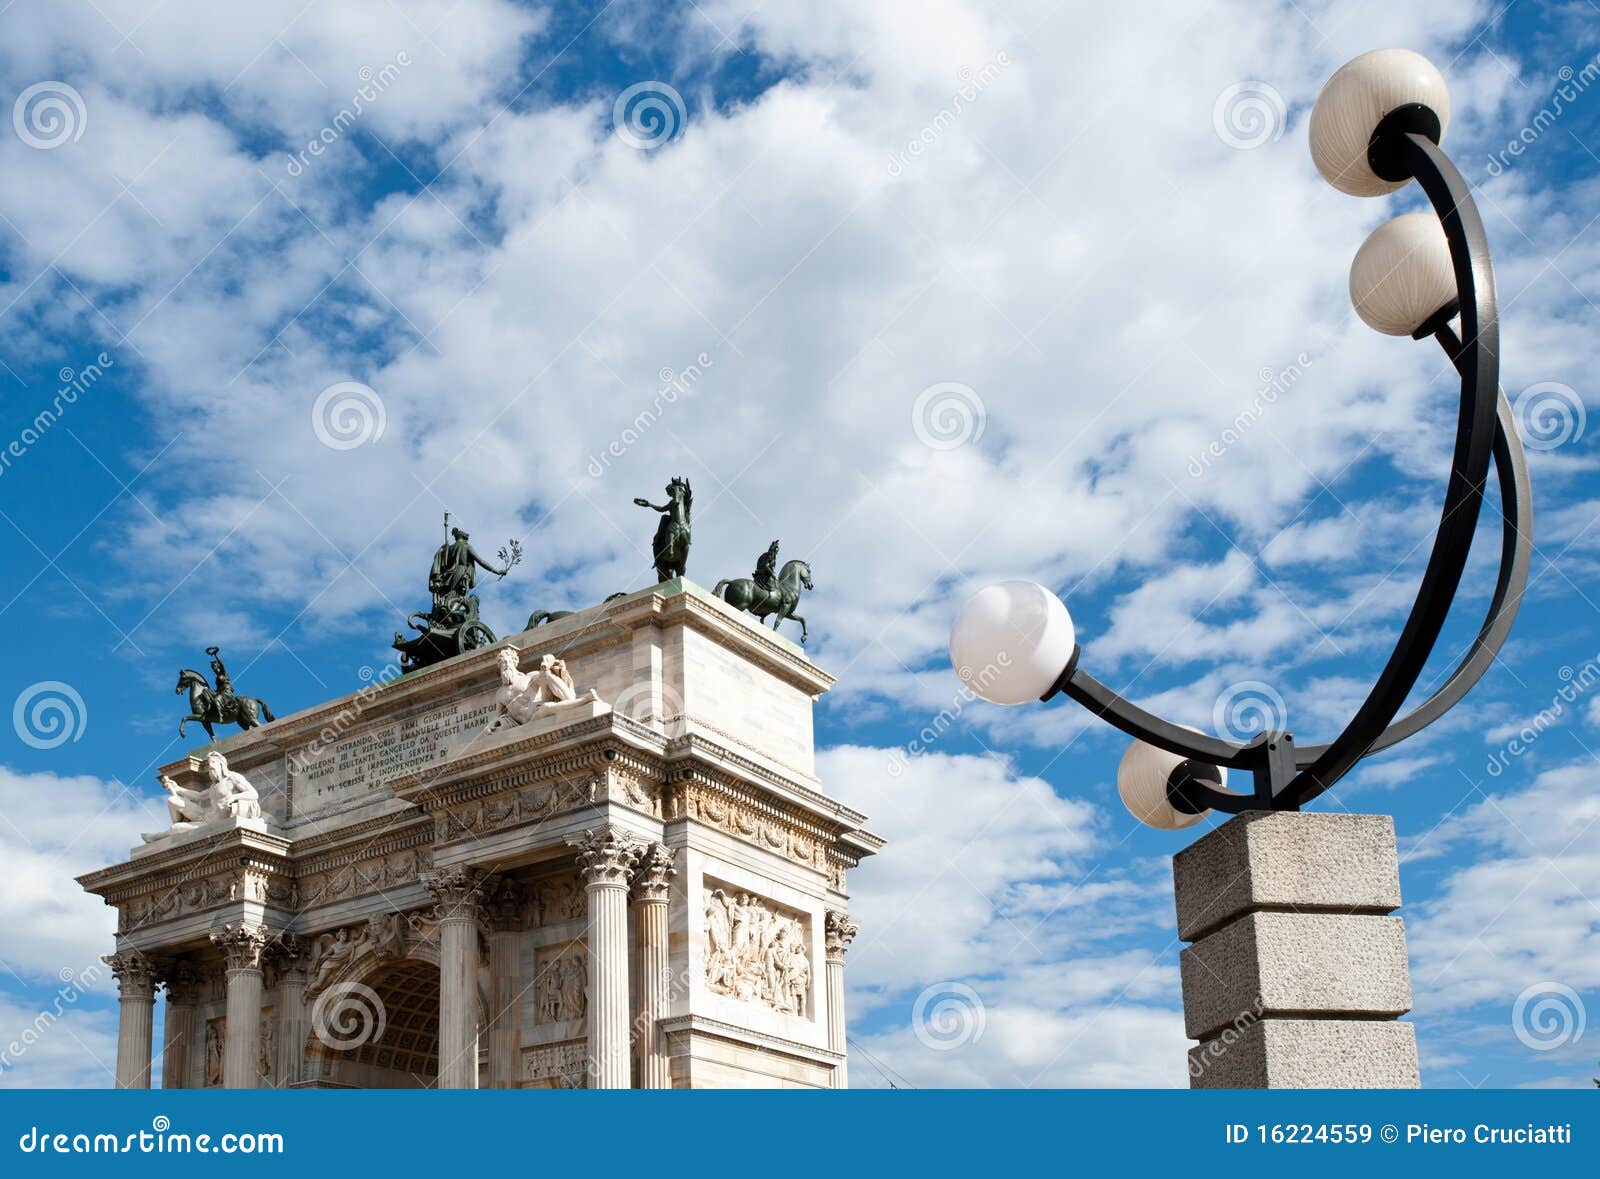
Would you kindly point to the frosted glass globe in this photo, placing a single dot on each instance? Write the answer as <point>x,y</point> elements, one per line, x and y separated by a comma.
<point>1402,276</point>
<point>1012,641</point>
<point>1354,102</point>
<point>1142,782</point>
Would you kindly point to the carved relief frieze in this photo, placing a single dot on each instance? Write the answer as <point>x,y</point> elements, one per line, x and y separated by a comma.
<point>163,898</point>
<point>368,869</point>
<point>561,984</point>
<point>756,951</point>
<point>751,820</point>
<point>564,1065</point>
<point>383,935</point>
<point>557,899</point>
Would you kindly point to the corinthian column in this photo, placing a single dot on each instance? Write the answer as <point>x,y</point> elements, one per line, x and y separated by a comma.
<point>505,912</point>
<point>457,891</point>
<point>177,1035</point>
<point>242,946</point>
<point>136,984</point>
<point>652,877</point>
<point>839,933</point>
<point>288,968</point>
<point>604,860</point>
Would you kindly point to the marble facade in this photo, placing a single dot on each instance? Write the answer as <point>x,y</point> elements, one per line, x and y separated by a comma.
<point>640,886</point>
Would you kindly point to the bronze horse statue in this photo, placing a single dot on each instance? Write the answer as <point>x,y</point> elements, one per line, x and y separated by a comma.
<point>670,547</point>
<point>209,708</point>
<point>742,593</point>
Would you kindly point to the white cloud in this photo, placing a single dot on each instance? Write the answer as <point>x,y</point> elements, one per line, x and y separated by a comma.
<point>52,829</point>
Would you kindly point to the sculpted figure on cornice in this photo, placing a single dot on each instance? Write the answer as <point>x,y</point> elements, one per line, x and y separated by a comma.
<point>524,697</point>
<point>227,794</point>
<point>755,953</point>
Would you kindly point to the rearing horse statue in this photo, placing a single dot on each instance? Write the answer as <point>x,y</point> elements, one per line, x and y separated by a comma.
<point>210,708</point>
<point>742,593</point>
<point>671,544</point>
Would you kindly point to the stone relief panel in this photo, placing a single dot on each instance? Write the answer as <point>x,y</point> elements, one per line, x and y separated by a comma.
<point>748,822</point>
<point>557,1066</point>
<point>756,951</point>
<point>268,1051</point>
<point>561,984</point>
<point>206,892</point>
<point>368,874</point>
<point>511,808</point>
<point>558,899</point>
<point>216,1043</point>
<point>386,935</point>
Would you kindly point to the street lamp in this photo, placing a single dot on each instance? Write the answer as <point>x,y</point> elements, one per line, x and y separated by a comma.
<point>1375,127</point>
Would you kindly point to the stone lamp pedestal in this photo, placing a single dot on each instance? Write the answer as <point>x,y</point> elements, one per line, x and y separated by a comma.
<point>1296,973</point>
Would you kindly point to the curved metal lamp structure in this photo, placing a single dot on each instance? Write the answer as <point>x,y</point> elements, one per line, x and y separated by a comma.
<point>1403,145</point>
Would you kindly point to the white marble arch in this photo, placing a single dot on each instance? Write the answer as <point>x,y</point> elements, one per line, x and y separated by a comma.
<point>341,1049</point>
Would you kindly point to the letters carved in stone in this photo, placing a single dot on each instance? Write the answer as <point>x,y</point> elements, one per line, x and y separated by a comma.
<point>755,952</point>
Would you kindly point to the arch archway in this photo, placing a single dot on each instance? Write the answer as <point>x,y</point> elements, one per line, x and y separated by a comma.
<point>380,1026</point>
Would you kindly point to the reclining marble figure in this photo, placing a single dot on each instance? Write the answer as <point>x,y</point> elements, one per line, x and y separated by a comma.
<point>526,696</point>
<point>227,795</point>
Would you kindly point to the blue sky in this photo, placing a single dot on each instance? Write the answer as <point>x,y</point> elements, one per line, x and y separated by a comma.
<point>969,288</point>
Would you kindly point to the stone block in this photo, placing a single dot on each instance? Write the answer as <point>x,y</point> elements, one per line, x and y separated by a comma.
<point>1269,964</point>
<point>1308,1054</point>
<point>1298,862</point>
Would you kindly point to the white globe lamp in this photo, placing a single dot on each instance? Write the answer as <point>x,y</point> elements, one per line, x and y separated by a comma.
<point>1356,99</point>
<point>1142,778</point>
<point>1402,277</point>
<point>1011,642</point>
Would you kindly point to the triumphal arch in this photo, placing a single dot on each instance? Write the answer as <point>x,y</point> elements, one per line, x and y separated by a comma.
<point>593,854</point>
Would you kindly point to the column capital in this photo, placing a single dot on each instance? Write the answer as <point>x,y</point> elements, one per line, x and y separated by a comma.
<point>839,932</point>
<point>605,857</point>
<point>242,944</point>
<point>286,960</point>
<point>457,892</point>
<point>504,905</point>
<point>135,974</point>
<point>653,871</point>
<point>181,979</point>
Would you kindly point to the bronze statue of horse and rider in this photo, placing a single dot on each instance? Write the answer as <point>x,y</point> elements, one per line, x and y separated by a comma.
<point>670,547</point>
<point>768,592</point>
<point>220,705</point>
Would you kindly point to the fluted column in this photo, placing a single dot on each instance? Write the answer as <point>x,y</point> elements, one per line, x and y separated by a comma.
<point>136,986</point>
<point>505,912</point>
<point>838,934</point>
<point>652,878</point>
<point>604,860</point>
<point>242,946</point>
<point>287,966</point>
<point>177,1033</point>
<point>458,891</point>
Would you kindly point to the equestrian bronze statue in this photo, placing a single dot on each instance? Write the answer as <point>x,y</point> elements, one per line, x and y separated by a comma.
<point>780,596</point>
<point>219,705</point>
<point>671,544</point>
